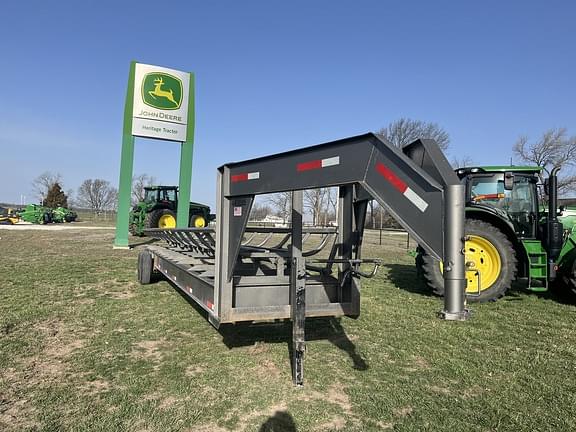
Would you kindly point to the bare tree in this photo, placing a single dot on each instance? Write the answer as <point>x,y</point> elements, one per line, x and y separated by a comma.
<point>404,131</point>
<point>44,182</point>
<point>97,195</point>
<point>281,203</point>
<point>464,161</point>
<point>315,201</point>
<point>139,182</point>
<point>259,211</point>
<point>554,149</point>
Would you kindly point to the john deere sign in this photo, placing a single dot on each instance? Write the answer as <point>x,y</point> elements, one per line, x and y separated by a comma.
<point>160,103</point>
<point>162,91</point>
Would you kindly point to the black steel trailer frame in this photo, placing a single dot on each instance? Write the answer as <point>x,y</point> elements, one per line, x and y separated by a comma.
<point>236,279</point>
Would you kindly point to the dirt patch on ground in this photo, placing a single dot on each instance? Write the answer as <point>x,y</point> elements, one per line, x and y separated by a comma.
<point>167,402</point>
<point>402,411</point>
<point>149,350</point>
<point>337,423</point>
<point>440,390</point>
<point>17,415</point>
<point>194,370</point>
<point>95,387</point>
<point>48,366</point>
<point>338,396</point>
<point>273,411</point>
<point>268,369</point>
<point>117,295</point>
<point>258,348</point>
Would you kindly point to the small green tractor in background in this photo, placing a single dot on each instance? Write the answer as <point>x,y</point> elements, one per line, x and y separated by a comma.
<point>38,214</point>
<point>509,235</point>
<point>62,214</point>
<point>158,210</point>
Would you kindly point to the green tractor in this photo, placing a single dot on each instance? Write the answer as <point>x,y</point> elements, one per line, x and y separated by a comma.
<point>158,210</point>
<point>509,236</point>
<point>36,214</point>
<point>62,214</point>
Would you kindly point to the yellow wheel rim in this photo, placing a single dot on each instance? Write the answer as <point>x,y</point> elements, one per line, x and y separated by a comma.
<point>167,221</point>
<point>199,222</point>
<point>481,256</point>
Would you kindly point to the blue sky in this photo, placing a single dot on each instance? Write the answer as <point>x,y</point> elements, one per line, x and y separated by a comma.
<point>275,75</point>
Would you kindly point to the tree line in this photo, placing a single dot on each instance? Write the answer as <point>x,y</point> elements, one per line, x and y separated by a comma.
<point>97,195</point>
<point>555,148</point>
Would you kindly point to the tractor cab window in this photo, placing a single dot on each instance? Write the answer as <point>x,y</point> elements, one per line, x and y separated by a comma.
<point>150,196</point>
<point>489,190</point>
<point>523,206</point>
<point>519,204</point>
<point>168,195</point>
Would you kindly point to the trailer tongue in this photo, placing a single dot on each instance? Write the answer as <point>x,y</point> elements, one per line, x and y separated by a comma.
<point>239,273</point>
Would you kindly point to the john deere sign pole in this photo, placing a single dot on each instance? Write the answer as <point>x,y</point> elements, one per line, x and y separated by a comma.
<point>160,105</point>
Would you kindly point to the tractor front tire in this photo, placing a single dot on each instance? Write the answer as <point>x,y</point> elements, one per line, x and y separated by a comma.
<point>161,218</point>
<point>197,221</point>
<point>145,265</point>
<point>487,250</point>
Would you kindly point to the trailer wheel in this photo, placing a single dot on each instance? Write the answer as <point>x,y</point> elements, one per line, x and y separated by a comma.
<point>489,251</point>
<point>144,267</point>
<point>161,218</point>
<point>197,221</point>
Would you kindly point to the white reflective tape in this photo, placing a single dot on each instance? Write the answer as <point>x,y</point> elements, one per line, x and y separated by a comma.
<point>331,161</point>
<point>415,199</point>
<point>253,176</point>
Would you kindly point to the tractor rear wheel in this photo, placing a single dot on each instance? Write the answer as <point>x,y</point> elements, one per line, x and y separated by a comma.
<point>197,221</point>
<point>161,218</point>
<point>488,251</point>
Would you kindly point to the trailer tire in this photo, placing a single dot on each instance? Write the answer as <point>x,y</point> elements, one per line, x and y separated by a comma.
<point>145,264</point>
<point>490,251</point>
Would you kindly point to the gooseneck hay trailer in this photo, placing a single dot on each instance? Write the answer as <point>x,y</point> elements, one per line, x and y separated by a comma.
<point>235,278</point>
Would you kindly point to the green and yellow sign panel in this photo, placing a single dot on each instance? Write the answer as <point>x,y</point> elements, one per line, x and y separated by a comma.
<point>161,100</point>
<point>159,105</point>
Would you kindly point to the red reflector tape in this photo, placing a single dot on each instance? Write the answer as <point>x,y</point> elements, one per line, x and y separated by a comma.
<point>391,177</point>
<point>317,164</point>
<point>245,176</point>
<point>306,166</point>
<point>402,187</point>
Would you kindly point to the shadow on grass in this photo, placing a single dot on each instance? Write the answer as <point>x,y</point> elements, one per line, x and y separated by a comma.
<point>247,333</point>
<point>281,421</point>
<point>143,242</point>
<point>404,276</point>
<point>557,292</point>
<point>330,329</point>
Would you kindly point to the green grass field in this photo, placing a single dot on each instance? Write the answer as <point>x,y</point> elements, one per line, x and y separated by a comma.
<point>83,347</point>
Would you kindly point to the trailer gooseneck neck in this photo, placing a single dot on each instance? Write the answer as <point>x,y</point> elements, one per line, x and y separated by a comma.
<point>236,279</point>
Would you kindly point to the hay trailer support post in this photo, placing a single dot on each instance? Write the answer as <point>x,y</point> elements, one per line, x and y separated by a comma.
<point>239,273</point>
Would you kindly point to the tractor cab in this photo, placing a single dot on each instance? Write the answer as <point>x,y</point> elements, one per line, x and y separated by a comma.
<point>160,194</point>
<point>509,193</point>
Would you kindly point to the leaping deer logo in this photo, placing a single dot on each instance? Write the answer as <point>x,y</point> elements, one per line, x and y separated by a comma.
<point>158,83</point>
